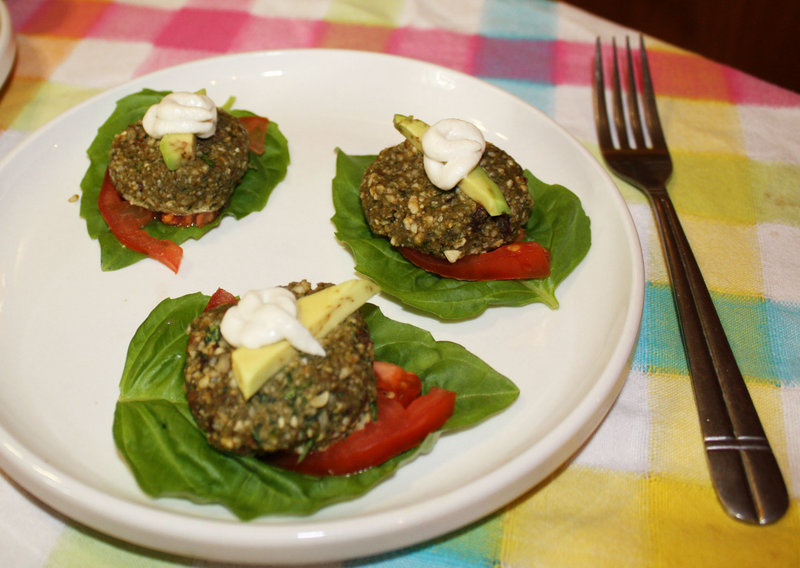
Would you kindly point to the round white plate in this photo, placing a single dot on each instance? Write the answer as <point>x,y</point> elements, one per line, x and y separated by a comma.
<point>65,325</point>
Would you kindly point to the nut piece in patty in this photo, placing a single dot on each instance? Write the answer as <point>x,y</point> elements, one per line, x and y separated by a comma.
<point>402,204</point>
<point>310,403</point>
<point>203,184</point>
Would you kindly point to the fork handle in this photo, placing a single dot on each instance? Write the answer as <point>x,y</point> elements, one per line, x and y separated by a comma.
<point>743,468</point>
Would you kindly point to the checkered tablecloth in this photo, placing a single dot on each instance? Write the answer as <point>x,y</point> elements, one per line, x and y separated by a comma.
<point>638,494</point>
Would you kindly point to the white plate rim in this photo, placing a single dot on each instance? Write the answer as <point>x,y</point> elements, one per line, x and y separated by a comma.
<point>8,48</point>
<point>329,540</point>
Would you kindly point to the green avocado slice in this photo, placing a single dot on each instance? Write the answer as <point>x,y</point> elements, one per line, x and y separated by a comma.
<point>178,149</point>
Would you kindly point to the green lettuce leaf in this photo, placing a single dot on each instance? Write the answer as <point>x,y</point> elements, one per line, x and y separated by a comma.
<point>168,454</point>
<point>558,222</point>
<point>265,172</point>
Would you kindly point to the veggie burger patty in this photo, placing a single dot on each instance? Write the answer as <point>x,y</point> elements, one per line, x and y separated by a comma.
<point>310,403</point>
<point>204,184</point>
<point>402,204</point>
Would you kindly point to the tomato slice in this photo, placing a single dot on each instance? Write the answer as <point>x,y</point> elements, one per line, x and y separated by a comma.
<point>397,383</point>
<point>126,222</point>
<point>220,298</point>
<point>513,261</point>
<point>192,219</point>
<point>395,431</point>
<point>257,128</point>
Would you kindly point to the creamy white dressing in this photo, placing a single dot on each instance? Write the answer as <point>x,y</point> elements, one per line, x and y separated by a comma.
<point>181,112</point>
<point>267,316</point>
<point>452,148</point>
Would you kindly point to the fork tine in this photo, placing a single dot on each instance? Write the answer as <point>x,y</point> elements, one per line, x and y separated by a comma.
<point>616,98</point>
<point>600,108</point>
<point>633,99</point>
<point>649,102</point>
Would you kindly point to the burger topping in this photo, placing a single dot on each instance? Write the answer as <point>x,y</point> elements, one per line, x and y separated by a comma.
<point>181,112</point>
<point>452,148</point>
<point>267,316</point>
<point>318,313</point>
<point>176,120</point>
<point>475,183</point>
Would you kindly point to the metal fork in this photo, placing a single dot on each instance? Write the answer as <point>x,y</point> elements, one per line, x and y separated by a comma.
<point>743,469</point>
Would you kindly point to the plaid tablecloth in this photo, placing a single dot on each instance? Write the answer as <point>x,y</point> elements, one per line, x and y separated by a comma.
<point>638,494</point>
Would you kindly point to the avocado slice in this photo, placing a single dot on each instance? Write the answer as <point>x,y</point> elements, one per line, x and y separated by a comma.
<point>412,128</point>
<point>477,184</point>
<point>319,312</point>
<point>178,149</point>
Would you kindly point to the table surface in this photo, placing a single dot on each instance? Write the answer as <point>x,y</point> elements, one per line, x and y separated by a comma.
<point>638,493</point>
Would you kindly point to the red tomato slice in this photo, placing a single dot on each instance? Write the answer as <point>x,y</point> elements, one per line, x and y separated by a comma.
<point>257,127</point>
<point>219,298</point>
<point>397,383</point>
<point>509,262</point>
<point>395,431</point>
<point>126,222</point>
<point>193,219</point>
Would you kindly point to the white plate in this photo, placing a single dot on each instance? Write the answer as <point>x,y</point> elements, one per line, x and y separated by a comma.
<point>65,325</point>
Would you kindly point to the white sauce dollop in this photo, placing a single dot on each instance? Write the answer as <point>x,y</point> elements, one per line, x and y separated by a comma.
<point>452,148</point>
<point>181,112</point>
<point>267,316</point>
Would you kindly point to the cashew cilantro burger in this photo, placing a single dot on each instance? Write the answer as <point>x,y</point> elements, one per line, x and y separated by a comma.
<point>317,397</point>
<point>259,429</point>
<point>445,197</point>
<point>184,158</point>
<point>289,374</point>
<point>177,164</point>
